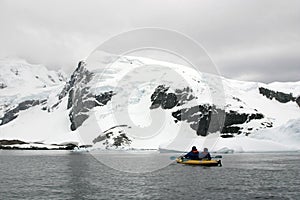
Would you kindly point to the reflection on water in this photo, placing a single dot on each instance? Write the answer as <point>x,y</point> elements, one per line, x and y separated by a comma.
<point>78,172</point>
<point>65,175</point>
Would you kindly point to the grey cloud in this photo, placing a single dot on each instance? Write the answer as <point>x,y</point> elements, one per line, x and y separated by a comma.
<point>246,39</point>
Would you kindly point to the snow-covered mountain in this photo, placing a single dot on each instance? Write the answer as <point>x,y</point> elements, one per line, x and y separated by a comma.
<point>131,102</point>
<point>23,84</point>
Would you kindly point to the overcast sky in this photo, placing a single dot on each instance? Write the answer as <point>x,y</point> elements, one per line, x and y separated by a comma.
<point>257,40</point>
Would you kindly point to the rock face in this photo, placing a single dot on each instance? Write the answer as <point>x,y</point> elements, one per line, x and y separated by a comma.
<point>167,100</point>
<point>80,99</point>
<point>19,145</point>
<point>298,101</point>
<point>160,98</point>
<point>234,118</point>
<point>205,118</point>
<point>199,117</point>
<point>13,113</point>
<point>83,103</point>
<point>279,96</point>
<point>3,85</point>
<point>77,76</point>
<point>114,137</point>
<point>11,142</point>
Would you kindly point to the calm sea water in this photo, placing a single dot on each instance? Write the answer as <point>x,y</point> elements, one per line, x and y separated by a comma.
<point>65,175</point>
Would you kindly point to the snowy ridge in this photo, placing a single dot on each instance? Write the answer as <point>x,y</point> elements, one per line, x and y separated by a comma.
<point>20,74</point>
<point>22,81</point>
<point>84,109</point>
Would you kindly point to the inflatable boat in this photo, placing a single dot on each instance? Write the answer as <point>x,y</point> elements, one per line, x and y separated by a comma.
<point>208,163</point>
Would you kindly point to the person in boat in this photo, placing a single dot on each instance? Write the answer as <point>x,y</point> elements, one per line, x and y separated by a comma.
<point>204,155</point>
<point>193,155</point>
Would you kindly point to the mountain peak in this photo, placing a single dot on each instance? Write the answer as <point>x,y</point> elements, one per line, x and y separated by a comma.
<point>18,73</point>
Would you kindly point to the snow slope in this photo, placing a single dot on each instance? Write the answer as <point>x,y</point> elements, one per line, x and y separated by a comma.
<point>22,81</point>
<point>27,82</point>
<point>36,125</point>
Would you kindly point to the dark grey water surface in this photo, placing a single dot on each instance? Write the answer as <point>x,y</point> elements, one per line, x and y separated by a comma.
<point>65,175</point>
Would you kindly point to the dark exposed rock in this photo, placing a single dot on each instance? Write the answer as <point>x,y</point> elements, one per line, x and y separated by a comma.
<point>267,124</point>
<point>70,146</point>
<point>255,116</point>
<point>3,85</point>
<point>11,142</point>
<point>160,97</point>
<point>25,148</point>
<point>13,113</point>
<point>227,135</point>
<point>77,120</point>
<point>167,100</point>
<point>85,146</point>
<point>77,86</point>
<point>53,106</point>
<point>102,137</point>
<point>9,146</point>
<point>51,78</point>
<point>184,95</point>
<point>237,99</point>
<point>117,135</point>
<point>61,77</point>
<point>233,117</point>
<point>15,71</point>
<point>9,116</point>
<point>84,101</point>
<point>108,133</point>
<point>298,101</point>
<point>170,101</point>
<point>80,99</point>
<point>205,118</point>
<point>279,96</point>
<point>283,97</point>
<point>231,129</point>
<point>103,98</point>
<point>77,76</point>
<point>121,139</point>
<point>202,118</point>
<point>44,108</point>
<point>117,126</point>
<point>70,98</point>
